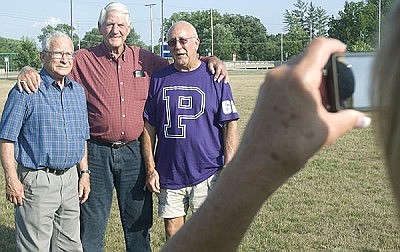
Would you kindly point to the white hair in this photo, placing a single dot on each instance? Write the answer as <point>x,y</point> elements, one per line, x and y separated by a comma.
<point>114,6</point>
<point>47,41</point>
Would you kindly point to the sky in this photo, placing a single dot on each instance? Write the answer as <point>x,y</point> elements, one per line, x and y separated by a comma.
<point>26,18</point>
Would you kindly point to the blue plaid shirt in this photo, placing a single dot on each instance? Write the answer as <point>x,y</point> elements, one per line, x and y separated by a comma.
<point>49,127</point>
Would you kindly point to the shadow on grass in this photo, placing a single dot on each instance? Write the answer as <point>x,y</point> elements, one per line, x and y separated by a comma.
<point>369,250</point>
<point>7,239</point>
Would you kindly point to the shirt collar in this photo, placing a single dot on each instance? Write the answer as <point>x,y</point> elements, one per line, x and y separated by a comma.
<point>108,53</point>
<point>48,81</point>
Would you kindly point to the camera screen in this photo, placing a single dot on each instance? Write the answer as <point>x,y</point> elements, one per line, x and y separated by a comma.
<point>349,81</point>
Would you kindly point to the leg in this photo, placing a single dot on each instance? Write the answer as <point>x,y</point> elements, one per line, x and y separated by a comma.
<point>173,206</point>
<point>96,210</point>
<point>34,219</point>
<point>172,225</point>
<point>66,220</point>
<point>135,203</point>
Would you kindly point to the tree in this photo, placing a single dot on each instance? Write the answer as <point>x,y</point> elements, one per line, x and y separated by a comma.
<point>202,22</point>
<point>302,24</point>
<point>227,44</point>
<point>133,39</point>
<point>20,53</point>
<point>93,38</point>
<point>357,24</point>
<point>245,36</point>
<point>64,28</point>
<point>28,54</point>
<point>251,34</point>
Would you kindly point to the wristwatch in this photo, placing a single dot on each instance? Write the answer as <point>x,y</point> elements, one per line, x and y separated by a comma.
<point>84,171</point>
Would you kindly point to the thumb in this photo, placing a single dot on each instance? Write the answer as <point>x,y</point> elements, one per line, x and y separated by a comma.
<point>344,121</point>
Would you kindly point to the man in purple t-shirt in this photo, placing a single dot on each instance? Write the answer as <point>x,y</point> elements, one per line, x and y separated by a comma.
<point>195,122</point>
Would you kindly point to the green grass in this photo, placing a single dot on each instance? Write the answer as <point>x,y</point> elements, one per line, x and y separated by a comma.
<point>341,201</point>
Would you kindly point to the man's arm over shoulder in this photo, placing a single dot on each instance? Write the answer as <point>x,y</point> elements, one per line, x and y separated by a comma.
<point>151,62</point>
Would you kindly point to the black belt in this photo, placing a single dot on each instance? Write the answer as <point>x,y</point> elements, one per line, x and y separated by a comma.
<point>114,145</point>
<point>56,172</point>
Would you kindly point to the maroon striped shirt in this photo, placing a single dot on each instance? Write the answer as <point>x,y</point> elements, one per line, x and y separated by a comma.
<point>116,89</point>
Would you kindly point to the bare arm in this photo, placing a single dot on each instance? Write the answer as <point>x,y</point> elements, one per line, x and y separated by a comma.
<point>231,140</point>
<point>28,79</point>
<point>288,126</point>
<point>148,145</point>
<point>84,178</point>
<point>14,188</point>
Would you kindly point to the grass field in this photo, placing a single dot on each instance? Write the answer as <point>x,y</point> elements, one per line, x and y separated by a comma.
<point>341,201</point>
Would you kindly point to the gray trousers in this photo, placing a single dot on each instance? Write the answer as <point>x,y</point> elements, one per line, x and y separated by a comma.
<point>49,218</point>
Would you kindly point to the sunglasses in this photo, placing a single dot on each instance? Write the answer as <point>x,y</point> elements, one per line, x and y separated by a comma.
<point>182,41</point>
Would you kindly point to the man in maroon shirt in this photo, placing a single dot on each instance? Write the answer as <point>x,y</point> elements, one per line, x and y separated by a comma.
<point>116,79</point>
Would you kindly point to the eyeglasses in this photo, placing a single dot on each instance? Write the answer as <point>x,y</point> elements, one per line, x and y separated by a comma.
<point>59,55</point>
<point>182,41</point>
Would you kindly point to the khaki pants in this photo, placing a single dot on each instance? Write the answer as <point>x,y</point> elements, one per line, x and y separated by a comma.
<point>49,218</point>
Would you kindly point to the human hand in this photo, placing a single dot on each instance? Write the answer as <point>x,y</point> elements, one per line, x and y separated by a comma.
<point>28,79</point>
<point>290,122</point>
<point>217,67</point>
<point>15,191</point>
<point>153,181</point>
<point>84,187</point>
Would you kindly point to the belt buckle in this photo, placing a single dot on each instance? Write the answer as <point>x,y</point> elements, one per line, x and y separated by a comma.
<point>59,172</point>
<point>117,144</point>
<point>56,172</point>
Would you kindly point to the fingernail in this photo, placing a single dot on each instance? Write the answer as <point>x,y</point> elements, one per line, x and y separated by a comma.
<point>363,122</point>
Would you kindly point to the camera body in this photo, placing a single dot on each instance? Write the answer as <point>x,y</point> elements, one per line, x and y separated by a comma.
<point>348,81</point>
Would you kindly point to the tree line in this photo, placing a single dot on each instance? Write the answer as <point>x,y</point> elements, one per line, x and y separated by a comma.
<point>241,36</point>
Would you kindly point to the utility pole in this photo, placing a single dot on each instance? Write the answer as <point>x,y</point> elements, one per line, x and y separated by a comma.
<point>282,48</point>
<point>72,32</point>
<point>212,32</point>
<point>379,23</point>
<point>162,28</point>
<point>151,23</point>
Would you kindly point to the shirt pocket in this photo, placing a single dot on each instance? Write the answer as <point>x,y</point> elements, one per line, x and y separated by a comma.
<point>141,87</point>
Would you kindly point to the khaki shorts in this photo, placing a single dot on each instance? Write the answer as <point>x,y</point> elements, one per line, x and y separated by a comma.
<point>175,203</point>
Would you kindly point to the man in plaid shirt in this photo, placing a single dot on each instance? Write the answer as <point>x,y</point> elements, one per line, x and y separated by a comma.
<point>46,133</point>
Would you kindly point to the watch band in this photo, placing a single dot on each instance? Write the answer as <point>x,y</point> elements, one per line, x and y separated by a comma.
<point>84,171</point>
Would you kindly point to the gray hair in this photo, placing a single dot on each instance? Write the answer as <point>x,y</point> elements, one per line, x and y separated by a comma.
<point>114,6</point>
<point>47,41</point>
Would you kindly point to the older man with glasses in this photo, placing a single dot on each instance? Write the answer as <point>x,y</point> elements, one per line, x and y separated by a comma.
<point>116,78</point>
<point>46,133</point>
<point>195,122</point>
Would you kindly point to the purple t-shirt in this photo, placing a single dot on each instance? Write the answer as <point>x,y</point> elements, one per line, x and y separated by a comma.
<point>187,110</point>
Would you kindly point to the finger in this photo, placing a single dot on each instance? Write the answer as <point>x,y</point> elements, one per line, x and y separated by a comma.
<point>80,191</point>
<point>153,187</point>
<point>20,201</point>
<point>217,74</point>
<point>318,52</point>
<point>158,187</point>
<point>226,80</point>
<point>223,76</point>
<point>84,198</point>
<point>32,83</point>
<point>19,85</point>
<point>212,68</point>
